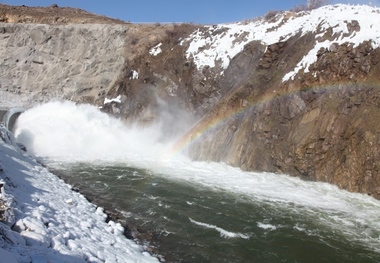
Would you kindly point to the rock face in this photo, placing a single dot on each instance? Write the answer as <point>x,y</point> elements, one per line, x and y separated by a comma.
<point>294,93</point>
<point>68,61</point>
<point>319,128</point>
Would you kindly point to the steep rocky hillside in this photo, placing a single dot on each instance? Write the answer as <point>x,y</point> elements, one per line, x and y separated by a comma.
<point>311,105</point>
<point>294,93</point>
<point>51,15</point>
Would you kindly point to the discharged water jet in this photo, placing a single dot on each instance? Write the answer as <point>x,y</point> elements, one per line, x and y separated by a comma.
<point>197,209</point>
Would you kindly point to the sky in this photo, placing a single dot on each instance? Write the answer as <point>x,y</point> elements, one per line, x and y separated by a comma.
<point>191,11</point>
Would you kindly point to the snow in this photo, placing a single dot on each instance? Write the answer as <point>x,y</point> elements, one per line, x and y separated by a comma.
<point>156,50</point>
<point>117,100</point>
<point>135,75</point>
<point>218,45</point>
<point>52,222</point>
<point>7,257</point>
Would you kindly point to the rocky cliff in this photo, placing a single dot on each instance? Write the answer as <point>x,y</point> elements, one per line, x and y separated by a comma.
<point>294,93</point>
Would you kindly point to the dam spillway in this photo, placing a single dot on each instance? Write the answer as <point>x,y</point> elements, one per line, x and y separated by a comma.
<point>8,116</point>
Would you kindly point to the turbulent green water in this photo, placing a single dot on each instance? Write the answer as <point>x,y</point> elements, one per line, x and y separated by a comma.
<point>190,222</point>
<point>194,211</point>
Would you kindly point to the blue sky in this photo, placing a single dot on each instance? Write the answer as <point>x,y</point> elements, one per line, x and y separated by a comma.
<point>194,11</point>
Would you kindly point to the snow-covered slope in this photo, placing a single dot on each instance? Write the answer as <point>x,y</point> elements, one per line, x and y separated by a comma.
<point>53,223</point>
<point>217,45</point>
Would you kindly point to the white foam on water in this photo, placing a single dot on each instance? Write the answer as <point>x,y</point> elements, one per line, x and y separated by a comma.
<point>64,131</point>
<point>223,233</point>
<point>83,133</point>
<point>266,226</point>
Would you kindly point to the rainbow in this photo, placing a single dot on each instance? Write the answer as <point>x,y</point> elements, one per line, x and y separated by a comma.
<point>215,119</point>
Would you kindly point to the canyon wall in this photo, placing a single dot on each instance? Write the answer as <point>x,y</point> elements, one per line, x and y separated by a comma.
<point>264,95</point>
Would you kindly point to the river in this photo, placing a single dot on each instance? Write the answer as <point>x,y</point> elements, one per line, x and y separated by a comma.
<point>196,211</point>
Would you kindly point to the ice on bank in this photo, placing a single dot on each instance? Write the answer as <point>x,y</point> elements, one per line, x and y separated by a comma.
<point>52,223</point>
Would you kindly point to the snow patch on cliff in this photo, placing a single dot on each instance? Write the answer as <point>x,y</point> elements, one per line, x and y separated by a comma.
<point>117,100</point>
<point>156,50</point>
<point>135,75</point>
<point>218,45</point>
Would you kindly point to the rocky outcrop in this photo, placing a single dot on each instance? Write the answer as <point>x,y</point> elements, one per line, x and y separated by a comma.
<point>320,127</point>
<point>295,93</point>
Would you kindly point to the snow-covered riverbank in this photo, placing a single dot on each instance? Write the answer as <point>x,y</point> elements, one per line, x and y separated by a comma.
<point>52,223</point>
